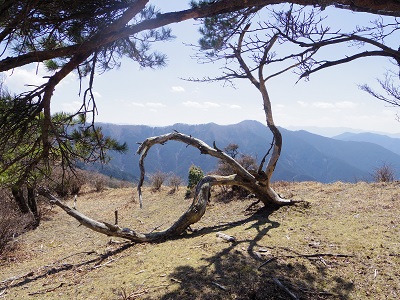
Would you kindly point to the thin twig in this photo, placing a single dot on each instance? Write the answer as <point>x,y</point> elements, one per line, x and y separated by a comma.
<point>261,166</point>
<point>320,255</point>
<point>325,293</point>
<point>219,286</point>
<point>266,262</point>
<point>317,255</point>
<point>46,290</point>
<point>280,284</point>
<point>29,274</point>
<point>157,227</point>
<point>82,252</point>
<point>102,265</point>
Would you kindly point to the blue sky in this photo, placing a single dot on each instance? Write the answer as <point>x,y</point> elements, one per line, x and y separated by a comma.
<point>159,97</point>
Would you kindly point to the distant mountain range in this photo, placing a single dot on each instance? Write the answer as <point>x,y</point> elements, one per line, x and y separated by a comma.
<point>390,143</point>
<point>305,156</point>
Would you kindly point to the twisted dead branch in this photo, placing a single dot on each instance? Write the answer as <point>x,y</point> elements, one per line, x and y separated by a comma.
<point>191,216</point>
<point>252,182</point>
<point>256,183</point>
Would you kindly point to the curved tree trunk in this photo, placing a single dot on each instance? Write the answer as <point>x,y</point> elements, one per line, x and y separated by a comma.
<point>264,192</point>
<point>254,183</point>
<point>258,183</point>
<point>276,149</point>
<point>191,216</point>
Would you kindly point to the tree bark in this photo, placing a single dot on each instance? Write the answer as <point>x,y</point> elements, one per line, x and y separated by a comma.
<point>20,199</point>
<point>28,204</point>
<point>253,183</point>
<point>259,184</point>
<point>191,216</point>
<point>32,204</point>
<point>263,189</point>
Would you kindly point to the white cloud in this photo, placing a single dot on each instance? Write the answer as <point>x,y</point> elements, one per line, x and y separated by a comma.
<point>177,89</point>
<point>155,104</point>
<point>150,106</point>
<point>345,104</point>
<point>233,106</point>
<point>136,104</point>
<point>328,105</point>
<point>211,104</point>
<point>323,105</point>
<point>302,103</point>
<point>22,79</point>
<point>202,105</point>
<point>387,112</point>
<point>191,104</point>
<point>19,78</point>
<point>336,105</point>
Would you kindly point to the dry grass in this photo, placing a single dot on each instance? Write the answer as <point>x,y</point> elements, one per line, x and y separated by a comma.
<point>342,244</point>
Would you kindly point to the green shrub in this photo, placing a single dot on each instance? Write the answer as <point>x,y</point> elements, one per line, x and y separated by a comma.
<point>195,175</point>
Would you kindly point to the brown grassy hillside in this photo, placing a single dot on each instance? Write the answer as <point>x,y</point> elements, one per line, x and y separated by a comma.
<point>344,243</point>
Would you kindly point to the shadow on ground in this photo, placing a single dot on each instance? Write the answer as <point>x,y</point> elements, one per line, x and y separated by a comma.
<point>60,267</point>
<point>239,272</point>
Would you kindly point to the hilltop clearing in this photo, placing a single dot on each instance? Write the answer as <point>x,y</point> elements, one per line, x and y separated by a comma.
<point>343,243</point>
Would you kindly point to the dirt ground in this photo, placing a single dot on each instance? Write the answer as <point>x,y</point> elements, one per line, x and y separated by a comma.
<point>343,242</point>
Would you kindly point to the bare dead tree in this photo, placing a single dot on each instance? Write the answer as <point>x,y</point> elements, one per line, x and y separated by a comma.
<point>193,213</point>
<point>253,54</point>
<point>259,50</point>
<point>256,182</point>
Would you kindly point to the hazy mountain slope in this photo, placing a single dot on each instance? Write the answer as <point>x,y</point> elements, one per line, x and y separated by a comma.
<point>305,156</point>
<point>177,157</point>
<point>309,160</point>
<point>392,144</point>
<point>363,155</point>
